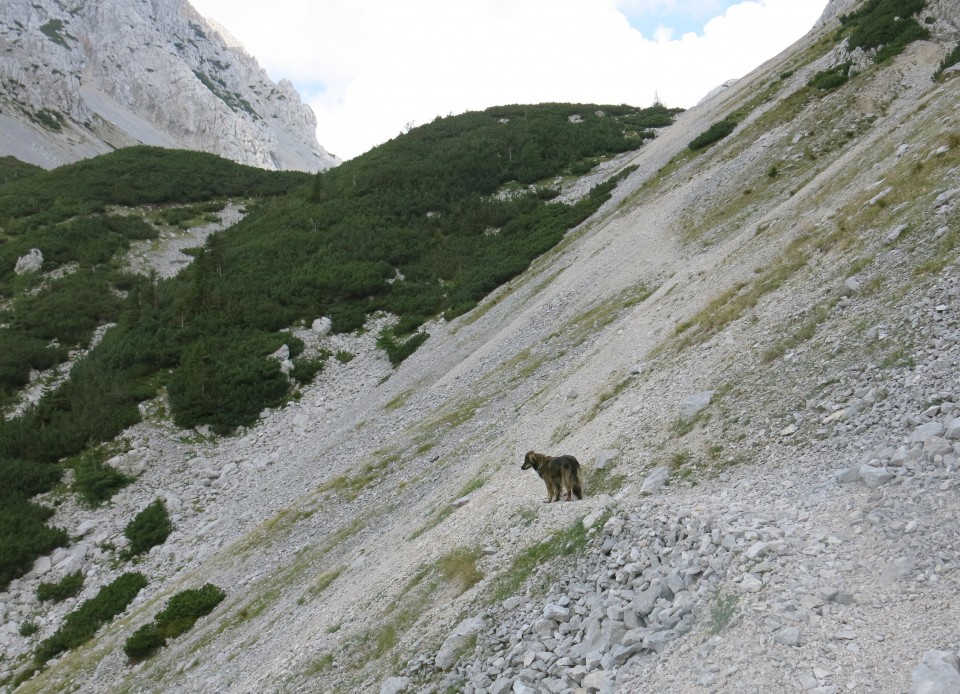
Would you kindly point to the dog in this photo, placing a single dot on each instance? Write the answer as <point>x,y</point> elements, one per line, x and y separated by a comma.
<point>558,473</point>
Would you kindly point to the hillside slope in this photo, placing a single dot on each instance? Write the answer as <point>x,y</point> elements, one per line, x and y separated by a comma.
<point>84,80</point>
<point>772,323</point>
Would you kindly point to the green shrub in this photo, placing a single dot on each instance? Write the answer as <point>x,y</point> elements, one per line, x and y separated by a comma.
<point>951,59</point>
<point>149,528</point>
<point>67,587</point>
<point>397,350</point>
<point>95,481</point>
<point>714,133</point>
<point>180,614</point>
<point>887,25</point>
<point>24,535</point>
<point>832,78</point>
<point>305,370</point>
<point>28,628</point>
<point>81,624</point>
<point>144,642</point>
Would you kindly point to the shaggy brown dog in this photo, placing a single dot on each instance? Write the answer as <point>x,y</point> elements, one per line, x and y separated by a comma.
<point>558,473</point>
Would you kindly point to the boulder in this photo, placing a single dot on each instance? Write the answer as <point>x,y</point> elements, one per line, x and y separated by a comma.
<point>457,641</point>
<point>394,685</point>
<point>938,673</point>
<point>655,480</point>
<point>31,262</point>
<point>692,405</point>
<point>322,326</point>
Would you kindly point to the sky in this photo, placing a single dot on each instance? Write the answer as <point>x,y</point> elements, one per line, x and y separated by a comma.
<point>371,69</point>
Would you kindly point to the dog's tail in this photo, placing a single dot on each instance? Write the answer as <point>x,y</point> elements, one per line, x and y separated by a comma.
<point>577,479</point>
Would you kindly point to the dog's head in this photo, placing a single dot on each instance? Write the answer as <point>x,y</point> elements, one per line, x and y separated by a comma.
<point>531,460</point>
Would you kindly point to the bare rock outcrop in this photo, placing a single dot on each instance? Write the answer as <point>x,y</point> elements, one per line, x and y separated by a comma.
<point>77,82</point>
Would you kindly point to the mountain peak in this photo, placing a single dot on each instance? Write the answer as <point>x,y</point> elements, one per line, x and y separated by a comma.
<point>79,82</point>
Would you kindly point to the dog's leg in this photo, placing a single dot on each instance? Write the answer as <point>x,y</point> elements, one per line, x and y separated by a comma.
<point>550,490</point>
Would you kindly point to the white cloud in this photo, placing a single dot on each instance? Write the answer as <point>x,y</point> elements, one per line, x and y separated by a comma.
<point>384,63</point>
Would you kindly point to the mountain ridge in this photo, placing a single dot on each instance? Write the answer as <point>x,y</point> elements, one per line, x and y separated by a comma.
<point>107,74</point>
<point>768,326</point>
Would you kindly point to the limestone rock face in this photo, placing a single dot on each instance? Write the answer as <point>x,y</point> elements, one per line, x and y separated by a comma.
<point>82,80</point>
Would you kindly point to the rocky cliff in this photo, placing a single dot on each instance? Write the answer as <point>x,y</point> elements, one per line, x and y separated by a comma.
<point>753,349</point>
<point>76,81</point>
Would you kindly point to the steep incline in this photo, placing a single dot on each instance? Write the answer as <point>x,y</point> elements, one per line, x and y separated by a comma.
<point>754,351</point>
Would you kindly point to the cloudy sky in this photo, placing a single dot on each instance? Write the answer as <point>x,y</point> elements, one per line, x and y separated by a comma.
<point>370,67</point>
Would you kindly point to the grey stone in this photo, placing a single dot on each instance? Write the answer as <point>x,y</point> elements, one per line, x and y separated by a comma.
<point>31,262</point>
<point>875,477</point>
<point>901,568</point>
<point>692,405</point>
<point>789,636</point>
<point>599,681</point>
<point>456,641</point>
<point>952,429</point>
<point>655,480</point>
<point>937,673</point>
<point>643,602</point>
<point>394,685</point>
<point>556,612</point>
<point>513,603</point>
<point>925,432</point>
<point>848,474</point>
<point>501,685</point>
<point>605,457</point>
<point>322,326</point>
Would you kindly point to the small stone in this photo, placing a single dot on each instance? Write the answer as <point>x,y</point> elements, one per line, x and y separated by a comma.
<point>788,637</point>
<point>938,673</point>
<point>394,685</point>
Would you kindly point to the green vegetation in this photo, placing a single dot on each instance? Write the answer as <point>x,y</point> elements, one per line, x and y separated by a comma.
<point>722,611</point>
<point>886,25</point>
<point>405,228</point>
<point>81,624</point>
<point>28,628</point>
<point>714,133</point>
<point>951,59</point>
<point>148,528</point>
<point>52,31</point>
<point>568,542</point>
<point>178,616</point>
<point>832,78</point>
<point>460,567</point>
<point>95,481</point>
<point>67,587</point>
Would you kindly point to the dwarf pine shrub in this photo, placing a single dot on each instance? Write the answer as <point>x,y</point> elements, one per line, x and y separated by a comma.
<point>81,624</point>
<point>67,587</point>
<point>714,133</point>
<point>149,528</point>
<point>180,614</point>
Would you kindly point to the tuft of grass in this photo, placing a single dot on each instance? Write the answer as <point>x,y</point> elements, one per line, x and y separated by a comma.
<point>564,543</point>
<point>460,567</point>
<point>722,611</point>
<point>714,133</point>
<point>805,332</point>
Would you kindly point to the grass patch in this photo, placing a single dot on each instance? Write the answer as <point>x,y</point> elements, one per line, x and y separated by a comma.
<point>732,303</point>
<point>564,543</point>
<point>349,487</point>
<point>324,581</point>
<point>438,516</point>
<point>805,332</point>
<point>459,567</point>
<point>721,611</point>
<point>399,400</point>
